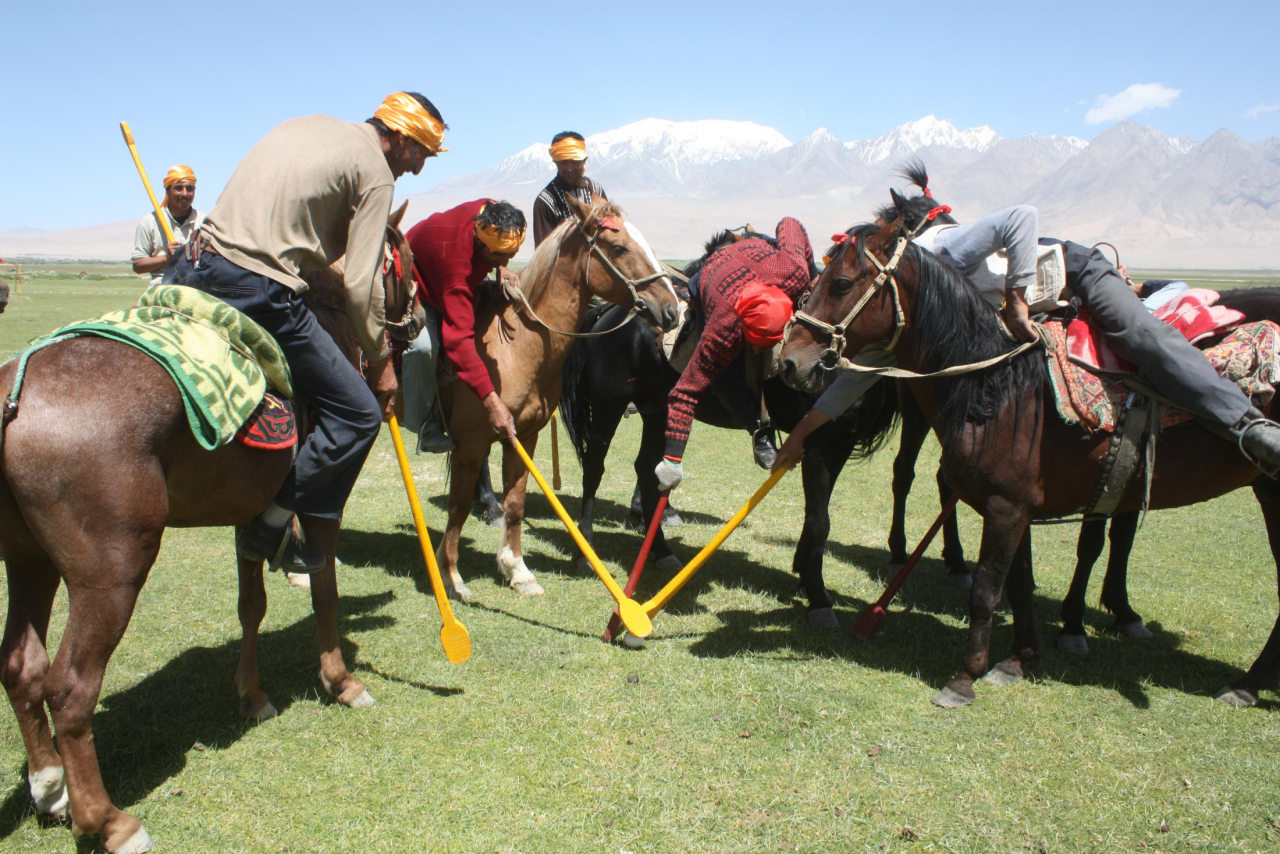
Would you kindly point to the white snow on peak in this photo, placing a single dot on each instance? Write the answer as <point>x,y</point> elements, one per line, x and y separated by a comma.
<point>703,142</point>
<point>1181,144</point>
<point>929,130</point>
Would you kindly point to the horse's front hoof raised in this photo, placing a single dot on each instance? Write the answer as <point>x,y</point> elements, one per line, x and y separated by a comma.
<point>1134,631</point>
<point>823,618</point>
<point>949,698</point>
<point>1238,697</point>
<point>1073,644</point>
<point>527,588</point>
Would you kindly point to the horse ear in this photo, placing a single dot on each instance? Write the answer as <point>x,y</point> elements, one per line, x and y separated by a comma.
<point>899,201</point>
<point>581,211</point>
<point>397,216</point>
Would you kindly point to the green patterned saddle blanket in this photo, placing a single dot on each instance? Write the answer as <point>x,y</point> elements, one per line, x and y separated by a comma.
<point>221,361</point>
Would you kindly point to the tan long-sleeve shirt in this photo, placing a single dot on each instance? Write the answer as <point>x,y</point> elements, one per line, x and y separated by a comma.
<point>312,190</point>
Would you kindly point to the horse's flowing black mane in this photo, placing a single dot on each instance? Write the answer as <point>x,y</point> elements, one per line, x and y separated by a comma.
<point>953,325</point>
<point>719,241</point>
<point>914,209</point>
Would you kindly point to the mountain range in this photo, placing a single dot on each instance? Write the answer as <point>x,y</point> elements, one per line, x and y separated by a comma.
<point>1165,202</point>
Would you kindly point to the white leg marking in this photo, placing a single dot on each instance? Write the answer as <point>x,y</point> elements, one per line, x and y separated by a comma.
<point>139,843</point>
<point>49,791</point>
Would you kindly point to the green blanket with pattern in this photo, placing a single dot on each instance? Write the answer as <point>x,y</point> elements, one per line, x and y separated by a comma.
<point>221,361</point>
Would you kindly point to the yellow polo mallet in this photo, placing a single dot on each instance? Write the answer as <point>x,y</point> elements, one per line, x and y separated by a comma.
<point>633,616</point>
<point>663,596</point>
<point>453,635</point>
<point>142,173</point>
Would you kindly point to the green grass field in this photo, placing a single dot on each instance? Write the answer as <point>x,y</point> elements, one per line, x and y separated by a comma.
<point>736,729</point>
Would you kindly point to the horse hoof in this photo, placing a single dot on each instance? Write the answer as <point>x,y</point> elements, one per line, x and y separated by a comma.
<point>137,844</point>
<point>962,580</point>
<point>584,567</point>
<point>630,641</point>
<point>527,588</point>
<point>671,519</point>
<point>1073,644</point>
<point>49,793</point>
<point>458,592</point>
<point>1135,631</point>
<point>895,566</point>
<point>363,700</point>
<point>266,713</point>
<point>670,563</point>
<point>1238,697</point>
<point>823,618</point>
<point>298,580</point>
<point>1000,677</point>
<point>950,699</point>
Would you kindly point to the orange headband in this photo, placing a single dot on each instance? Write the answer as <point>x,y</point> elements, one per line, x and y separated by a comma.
<point>175,175</point>
<point>403,113</point>
<point>568,149</point>
<point>503,242</point>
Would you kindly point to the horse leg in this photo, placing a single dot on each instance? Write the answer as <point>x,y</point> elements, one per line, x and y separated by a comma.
<point>252,607</point>
<point>1115,584</point>
<point>1002,535</point>
<point>952,549</point>
<point>337,680</point>
<point>604,426</point>
<point>515,476</point>
<point>652,440</point>
<point>485,503</point>
<point>1026,647</point>
<point>1265,672</point>
<point>915,429</point>
<point>464,469</point>
<point>818,470</point>
<point>24,661</point>
<point>1088,548</point>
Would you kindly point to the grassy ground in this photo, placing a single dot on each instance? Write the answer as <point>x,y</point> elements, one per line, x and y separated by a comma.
<point>736,729</point>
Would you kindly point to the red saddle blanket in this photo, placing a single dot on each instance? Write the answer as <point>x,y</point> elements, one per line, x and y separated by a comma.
<point>272,426</point>
<point>1249,356</point>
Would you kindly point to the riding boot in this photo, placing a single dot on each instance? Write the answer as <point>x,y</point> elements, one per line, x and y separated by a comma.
<point>763,447</point>
<point>279,547</point>
<point>432,439</point>
<point>1259,438</point>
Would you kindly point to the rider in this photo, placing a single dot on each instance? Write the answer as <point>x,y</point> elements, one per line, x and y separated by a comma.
<point>453,251</point>
<point>1165,359</point>
<point>750,277</point>
<point>311,191</point>
<point>151,251</point>
<point>569,153</point>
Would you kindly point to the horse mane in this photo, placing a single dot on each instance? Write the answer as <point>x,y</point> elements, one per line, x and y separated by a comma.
<point>535,277</point>
<point>953,324</point>
<point>719,241</point>
<point>915,208</point>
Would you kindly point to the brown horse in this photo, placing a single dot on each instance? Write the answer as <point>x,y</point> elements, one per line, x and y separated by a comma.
<point>97,463</point>
<point>1004,450</point>
<point>580,259</point>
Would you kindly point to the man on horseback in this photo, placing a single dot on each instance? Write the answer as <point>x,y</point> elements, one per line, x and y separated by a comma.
<point>569,153</point>
<point>1174,368</point>
<point>314,189</point>
<point>741,285</point>
<point>453,252</point>
<point>151,251</point>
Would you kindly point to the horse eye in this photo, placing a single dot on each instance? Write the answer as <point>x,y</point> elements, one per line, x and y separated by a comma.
<point>841,285</point>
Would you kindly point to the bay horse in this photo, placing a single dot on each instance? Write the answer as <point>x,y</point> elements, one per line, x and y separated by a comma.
<point>605,374</point>
<point>1005,451</point>
<point>595,252</point>
<point>97,463</point>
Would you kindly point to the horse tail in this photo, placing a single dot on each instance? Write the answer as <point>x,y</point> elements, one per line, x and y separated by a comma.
<point>875,418</point>
<point>575,396</point>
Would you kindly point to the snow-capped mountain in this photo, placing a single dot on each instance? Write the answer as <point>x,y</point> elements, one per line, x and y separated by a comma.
<point>906,139</point>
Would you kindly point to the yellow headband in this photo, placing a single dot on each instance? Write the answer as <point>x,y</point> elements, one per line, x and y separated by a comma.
<point>568,149</point>
<point>177,174</point>
<point>503,242</point>
<point>403,113</point>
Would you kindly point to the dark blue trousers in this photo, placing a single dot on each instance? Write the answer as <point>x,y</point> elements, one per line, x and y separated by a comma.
<point>343,411</point>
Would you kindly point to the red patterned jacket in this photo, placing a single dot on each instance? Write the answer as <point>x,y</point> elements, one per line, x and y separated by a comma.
<point>723,277</point>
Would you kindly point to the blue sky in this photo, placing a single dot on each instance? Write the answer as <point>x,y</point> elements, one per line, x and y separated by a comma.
<point>200,83</point>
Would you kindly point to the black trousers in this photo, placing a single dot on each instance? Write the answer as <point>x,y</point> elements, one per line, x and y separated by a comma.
<point>343,411</point>
<point>1165,360</point>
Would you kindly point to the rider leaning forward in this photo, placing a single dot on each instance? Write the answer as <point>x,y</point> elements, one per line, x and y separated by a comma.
<point>453,252</point>
<point>1166,360</point>
<point>311,191</point>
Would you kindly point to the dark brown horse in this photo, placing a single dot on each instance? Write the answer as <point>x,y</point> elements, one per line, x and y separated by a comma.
<point>1004,450</point>
<point>98,462</point>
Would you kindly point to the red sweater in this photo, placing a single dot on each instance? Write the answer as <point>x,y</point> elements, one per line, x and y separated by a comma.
<point>449,265</point>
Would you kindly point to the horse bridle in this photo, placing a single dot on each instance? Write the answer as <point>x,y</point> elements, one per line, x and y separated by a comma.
<point>830,357</point>
<point>407,327</point>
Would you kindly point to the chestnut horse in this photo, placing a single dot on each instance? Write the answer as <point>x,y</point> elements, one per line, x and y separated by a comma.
<point>592,253</point>
<point>97,463</point>
<point>1005,451</point>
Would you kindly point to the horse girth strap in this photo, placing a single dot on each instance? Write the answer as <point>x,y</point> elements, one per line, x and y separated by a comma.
<point>955,370</point>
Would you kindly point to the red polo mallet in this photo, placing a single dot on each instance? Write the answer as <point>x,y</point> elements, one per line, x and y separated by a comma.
<point>641,559</point>
<point>870,619</point>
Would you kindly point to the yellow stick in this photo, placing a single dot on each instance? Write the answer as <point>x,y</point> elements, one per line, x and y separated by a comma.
<point>663,596</point>
<point>453,635</point>
<point>142,173</point>
<point>633,616</point>
<point>555,452</point>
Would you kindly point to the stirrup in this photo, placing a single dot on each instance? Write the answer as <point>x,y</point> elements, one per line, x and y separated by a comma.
<point>1274,471</point>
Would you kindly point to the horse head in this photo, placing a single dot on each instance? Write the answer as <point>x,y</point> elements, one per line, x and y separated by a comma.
<point>4,295</point>
<point>404,314</point>
<point>621,267</point>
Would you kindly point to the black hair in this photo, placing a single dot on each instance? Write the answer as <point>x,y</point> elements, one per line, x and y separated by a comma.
<point>383,130</point>
<point>503,216</point>
<point>913,210</point>
<point>566,134</point>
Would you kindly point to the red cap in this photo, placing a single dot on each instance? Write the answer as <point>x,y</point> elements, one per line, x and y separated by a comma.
<point>764,311</point>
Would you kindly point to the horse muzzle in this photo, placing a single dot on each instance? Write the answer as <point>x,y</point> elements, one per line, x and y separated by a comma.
<point>811,378</point>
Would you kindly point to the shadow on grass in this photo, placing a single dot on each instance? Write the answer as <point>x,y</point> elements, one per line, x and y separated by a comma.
<point>144,733</point>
